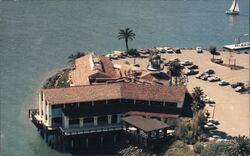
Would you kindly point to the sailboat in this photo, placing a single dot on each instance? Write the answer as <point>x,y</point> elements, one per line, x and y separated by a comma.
<point>234,9</point>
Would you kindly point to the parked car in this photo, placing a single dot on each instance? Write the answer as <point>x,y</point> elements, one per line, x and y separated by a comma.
<point>239,89</point>
<point>187,63</point>
<point>177,50</point>
<point>108,56</point>
<point>111,56</point>
<point>204,77</point>
<point>168,49</point>
<point>175,59</point>
<point>199,50</point>
<point>191,72</point>
<point>218,61</point>
<point>207,99</point>
<point>142,51</point>
<point>209,71</point>
<point>223,83</point>
<point>237,84</point>
<point>216,122</point>
<point>198,76</point>
<point>193,67</point>
<point>160,49</point>
<point>213,79</point>
<point>210,125</point>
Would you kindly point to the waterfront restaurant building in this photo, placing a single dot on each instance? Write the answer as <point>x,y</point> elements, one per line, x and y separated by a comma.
<point>73,116</point>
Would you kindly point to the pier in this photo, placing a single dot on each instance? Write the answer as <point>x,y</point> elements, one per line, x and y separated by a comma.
<point>240,46</point>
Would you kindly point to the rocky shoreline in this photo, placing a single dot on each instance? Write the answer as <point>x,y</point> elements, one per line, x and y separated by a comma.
<point>54,81</point>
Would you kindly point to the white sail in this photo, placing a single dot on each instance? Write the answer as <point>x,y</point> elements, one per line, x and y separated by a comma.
<point>237,7</point>
<point>232,6</point>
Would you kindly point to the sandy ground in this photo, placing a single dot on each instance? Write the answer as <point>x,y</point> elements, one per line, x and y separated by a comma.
<point>231,108</point>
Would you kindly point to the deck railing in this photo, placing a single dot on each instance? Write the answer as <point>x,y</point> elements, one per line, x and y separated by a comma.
<point>92,129</point>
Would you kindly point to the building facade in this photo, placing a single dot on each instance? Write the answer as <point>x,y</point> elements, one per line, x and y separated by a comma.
<point>71,117</point>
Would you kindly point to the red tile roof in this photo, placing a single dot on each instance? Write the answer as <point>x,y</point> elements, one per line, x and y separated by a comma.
<point>80,75</point>
<point>115,91</point>
<point>146,125</point>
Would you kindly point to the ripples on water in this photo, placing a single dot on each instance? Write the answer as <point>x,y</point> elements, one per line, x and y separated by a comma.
<point>36,38</point>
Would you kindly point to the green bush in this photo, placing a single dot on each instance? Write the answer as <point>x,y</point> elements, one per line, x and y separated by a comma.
<point>179,148</point>
<point>126,62</point>
<point>133,52</point>
<point>198,147</point>
<point>216,149</point>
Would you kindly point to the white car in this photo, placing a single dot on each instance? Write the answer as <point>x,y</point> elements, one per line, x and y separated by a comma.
<point>223,83</point>
<point>160,49</point>
<point>210,125</point>
<point>207,99</point>
<point>168,49</point>
<point>239,89</point>
<point>115,57</point>
<point>198,50</point>
<point>198,76</point>
<point>216,122</point>
<point>213,79</point>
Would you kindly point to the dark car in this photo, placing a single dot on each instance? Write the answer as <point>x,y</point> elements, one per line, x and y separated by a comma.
<point>209,71</point>
<point>193,67</point>
<point>218,61</point>
<point>177,50</point>
<point>237,84</point>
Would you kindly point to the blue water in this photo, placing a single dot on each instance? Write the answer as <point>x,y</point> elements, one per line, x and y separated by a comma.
<point>37,36</point>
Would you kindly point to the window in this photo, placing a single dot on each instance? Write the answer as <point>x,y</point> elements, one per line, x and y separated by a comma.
<point>85,104</point>
<point>114,101</point>
<point>88,120</point>
<point>57,120</point>
<point>170,104</point>
<point>100,102</point>
<point>156,103</point>
<point>141,102</point>
<point>126,101</point>
<point>71,105</point>
<point>74,121</point>
<point>102,120</point>
<point>114,119</point>
<point>57,106</point>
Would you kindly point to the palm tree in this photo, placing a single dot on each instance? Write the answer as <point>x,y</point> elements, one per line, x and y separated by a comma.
<point>175,70</point>
<point>196,93</point>
<point>212,50</point>
<point>198,104</point>
<point>126,34</point>
<point>72,57</point>
<point>240,146</point>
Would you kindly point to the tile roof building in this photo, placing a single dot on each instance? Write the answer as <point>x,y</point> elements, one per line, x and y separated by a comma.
<point>101,94</point>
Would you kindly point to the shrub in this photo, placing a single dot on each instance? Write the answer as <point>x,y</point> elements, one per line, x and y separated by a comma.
<point>216,148</point>
<point>198,147</point>
<point>179,148</point>
<point>133,52</point>
<point>126,62</point>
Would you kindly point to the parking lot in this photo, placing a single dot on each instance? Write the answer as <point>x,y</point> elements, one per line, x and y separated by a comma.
<point>231,108</point>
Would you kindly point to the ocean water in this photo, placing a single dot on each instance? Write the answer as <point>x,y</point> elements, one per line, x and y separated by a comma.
<point>37,36</point>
